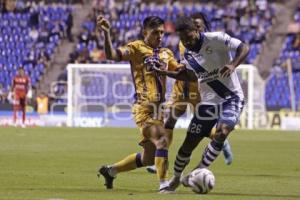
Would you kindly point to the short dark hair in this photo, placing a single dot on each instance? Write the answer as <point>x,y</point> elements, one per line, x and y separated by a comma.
<point>153,22</point>
<point>185,23</point>
<point>203,17</point>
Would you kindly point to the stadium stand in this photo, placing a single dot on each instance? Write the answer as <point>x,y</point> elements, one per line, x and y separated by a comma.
<point>29,37</point>
<point>250,25</point>
<point>278,80</point>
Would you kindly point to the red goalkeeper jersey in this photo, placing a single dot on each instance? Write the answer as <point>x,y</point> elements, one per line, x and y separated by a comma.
<point>21,85</point>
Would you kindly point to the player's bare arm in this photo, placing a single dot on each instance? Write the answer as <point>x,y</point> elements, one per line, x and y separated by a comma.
<point>104,25</point>
<point>182,74</point>
<point>241,53</point>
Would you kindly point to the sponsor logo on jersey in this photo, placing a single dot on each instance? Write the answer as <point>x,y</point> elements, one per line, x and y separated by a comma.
<point>208,75</point>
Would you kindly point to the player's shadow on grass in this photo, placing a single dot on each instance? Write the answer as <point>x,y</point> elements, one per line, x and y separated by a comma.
<point>131,191</point>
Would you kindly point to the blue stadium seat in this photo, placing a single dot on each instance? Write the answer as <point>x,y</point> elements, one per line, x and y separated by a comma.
<point>15,42</point>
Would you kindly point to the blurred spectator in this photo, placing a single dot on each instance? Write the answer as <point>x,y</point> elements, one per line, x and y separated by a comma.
<point>63,76</point>
<point>254,19</point>
<point>69,26</point>
<point>83,57</point>
<point>9,5</point>
<point>296,42</point>
<point>98,6</point>
<point>60,92</point>
<point>31,58</point>
<point>262,4</point>
<point>277,69</point>
<point>3,94</point>
<point>34,19</point>
<point>43,35</point>
<point>97,55</point>
<point>259,34</point>
<point>56,28</point>
<point>231,26</point>
<point>245,20</point>
<point>171,41</point>
<point>84,36</point>
<point>34,34</point>
<point>73,56</point>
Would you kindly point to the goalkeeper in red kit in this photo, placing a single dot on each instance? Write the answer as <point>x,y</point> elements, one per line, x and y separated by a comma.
<point>19,89</point>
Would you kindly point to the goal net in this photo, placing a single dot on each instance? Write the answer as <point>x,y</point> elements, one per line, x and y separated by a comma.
<point>102,95</point>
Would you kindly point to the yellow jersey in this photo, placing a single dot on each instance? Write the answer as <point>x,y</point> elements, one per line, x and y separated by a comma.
<point>184,91</point>
<point>149,86</point>
<point>42,105</point>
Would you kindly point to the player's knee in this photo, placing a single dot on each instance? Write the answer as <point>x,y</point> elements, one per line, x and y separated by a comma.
<point>222,132</point>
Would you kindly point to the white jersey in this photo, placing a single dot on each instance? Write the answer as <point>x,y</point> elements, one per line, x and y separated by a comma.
<point>214,54</point>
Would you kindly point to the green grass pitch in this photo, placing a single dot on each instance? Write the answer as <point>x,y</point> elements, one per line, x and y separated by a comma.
<point>61,163</point>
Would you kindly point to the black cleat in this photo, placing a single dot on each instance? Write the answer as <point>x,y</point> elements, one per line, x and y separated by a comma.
<point>151,169</point>
<point>108,178</point>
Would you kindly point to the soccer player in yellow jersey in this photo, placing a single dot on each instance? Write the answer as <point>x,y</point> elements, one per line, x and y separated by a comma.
<point>149,95</point>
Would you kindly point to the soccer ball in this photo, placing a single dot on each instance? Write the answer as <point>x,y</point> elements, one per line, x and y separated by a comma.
<point>201,181</point>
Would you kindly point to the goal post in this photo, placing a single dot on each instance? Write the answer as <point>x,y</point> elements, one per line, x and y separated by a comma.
<point>254,90</point>
<point>91,88</point>
<point>99,94</point>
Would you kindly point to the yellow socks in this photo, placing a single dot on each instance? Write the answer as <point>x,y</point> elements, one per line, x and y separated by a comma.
<point>161,164</point>
<point>131,162</point>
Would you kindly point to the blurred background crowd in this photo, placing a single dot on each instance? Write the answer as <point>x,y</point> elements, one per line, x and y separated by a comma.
<point>44,36</point>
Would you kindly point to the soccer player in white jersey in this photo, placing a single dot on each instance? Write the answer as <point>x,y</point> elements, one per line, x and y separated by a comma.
<point>203,25</point>
<point>208,60</point>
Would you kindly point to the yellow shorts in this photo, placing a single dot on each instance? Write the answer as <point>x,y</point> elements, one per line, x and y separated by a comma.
<point>146,115</point>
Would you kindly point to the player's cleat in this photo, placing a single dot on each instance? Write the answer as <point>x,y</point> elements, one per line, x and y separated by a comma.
<point>228,155</point>
<point>166,190</point>
<point>174,183</point>
<point>151,169</point>
<point>104,171</point>
<point>184,180</point>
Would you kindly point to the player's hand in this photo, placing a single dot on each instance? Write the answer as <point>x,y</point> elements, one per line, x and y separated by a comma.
<point>180,67</point>
<point>153,63</point>
<point>103,24</point>
<point>227,70</point>
<point>160,70</point>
